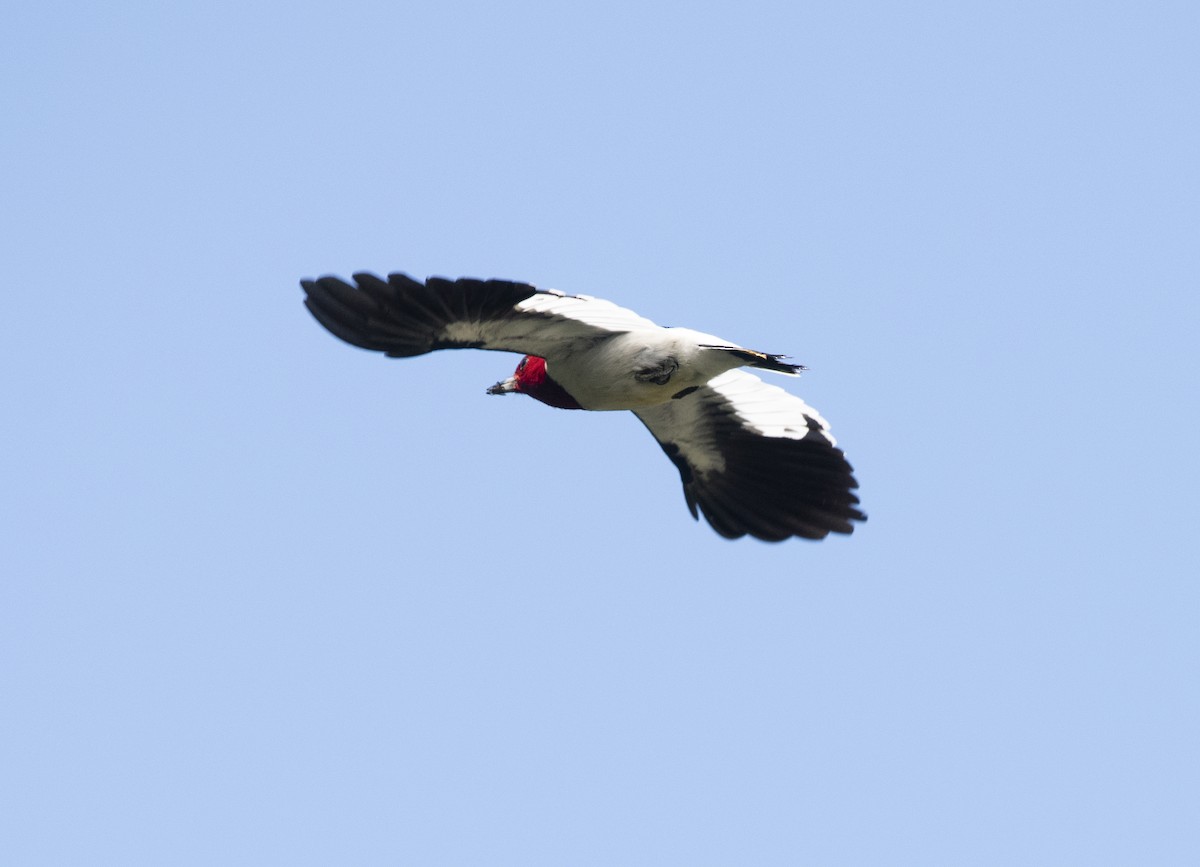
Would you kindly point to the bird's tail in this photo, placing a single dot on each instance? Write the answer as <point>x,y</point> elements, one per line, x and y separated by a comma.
<point>761,360</point>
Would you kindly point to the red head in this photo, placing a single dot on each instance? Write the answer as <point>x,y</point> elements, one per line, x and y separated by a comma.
<point>532,379</point>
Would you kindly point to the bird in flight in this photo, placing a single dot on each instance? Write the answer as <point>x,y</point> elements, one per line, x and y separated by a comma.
<point>754,459</point>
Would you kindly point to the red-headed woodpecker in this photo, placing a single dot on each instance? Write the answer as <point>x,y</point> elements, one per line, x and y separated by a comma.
<point>754,459</point>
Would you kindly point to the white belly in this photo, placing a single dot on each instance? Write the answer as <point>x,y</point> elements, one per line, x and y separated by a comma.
<point>606,376</point>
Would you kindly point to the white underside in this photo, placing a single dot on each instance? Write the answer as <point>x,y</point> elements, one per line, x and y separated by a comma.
<point>603,376</point>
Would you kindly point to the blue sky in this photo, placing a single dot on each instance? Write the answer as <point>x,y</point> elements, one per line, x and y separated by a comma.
<point>271,599</point>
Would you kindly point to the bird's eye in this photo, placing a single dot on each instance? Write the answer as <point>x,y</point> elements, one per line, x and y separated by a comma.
<point>521,366</point>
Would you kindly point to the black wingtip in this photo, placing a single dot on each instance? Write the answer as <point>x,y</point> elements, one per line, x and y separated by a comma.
<point>401,316</point>
<point>776,488</point>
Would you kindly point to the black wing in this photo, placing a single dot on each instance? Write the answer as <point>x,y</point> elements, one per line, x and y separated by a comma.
<point>403,317</point>
<point>756,460</point>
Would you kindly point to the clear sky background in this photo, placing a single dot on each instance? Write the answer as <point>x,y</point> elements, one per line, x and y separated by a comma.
<point>269,599</point>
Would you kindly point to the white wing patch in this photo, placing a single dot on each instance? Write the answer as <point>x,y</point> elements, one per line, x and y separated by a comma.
<point>691,422</point>
<point>553,325</point>
<point>768,409</point>
<point>585,309</point>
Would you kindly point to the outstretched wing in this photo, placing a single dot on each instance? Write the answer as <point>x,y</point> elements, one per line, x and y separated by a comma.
<point>756,460</point>
<point>403,317</point>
